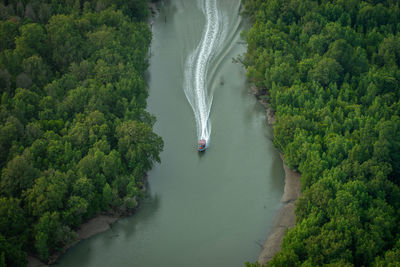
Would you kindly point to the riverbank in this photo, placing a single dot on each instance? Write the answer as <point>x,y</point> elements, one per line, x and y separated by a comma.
<point>285,218</point>
<point>96,225</point>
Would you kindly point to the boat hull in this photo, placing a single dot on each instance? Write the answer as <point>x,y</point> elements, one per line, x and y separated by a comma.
<point>202,145</point>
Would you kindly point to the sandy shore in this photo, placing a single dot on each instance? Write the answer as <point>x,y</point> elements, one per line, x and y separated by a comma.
<point>98,224</point>
<point>285,218</point>
<point>35,262</point>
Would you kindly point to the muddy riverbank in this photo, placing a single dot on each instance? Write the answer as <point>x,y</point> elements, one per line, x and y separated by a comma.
<point>285,218</point>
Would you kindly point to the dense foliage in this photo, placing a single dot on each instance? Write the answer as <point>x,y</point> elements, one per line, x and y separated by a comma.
<point>330,70</point>
<point>75,138</point>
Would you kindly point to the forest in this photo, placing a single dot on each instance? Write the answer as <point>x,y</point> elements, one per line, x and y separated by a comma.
<point>330,70</point>
<point>75,138</point>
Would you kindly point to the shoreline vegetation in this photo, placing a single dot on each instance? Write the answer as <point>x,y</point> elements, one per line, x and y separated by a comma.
<point>285,217</point>
<point>98,224</point>
<point>330,71</point>
<point>75,137</point>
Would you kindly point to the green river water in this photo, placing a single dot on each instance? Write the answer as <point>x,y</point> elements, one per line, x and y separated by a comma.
<point>209,209</point>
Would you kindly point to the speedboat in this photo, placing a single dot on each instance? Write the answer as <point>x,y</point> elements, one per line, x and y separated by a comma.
<point>202,145</point>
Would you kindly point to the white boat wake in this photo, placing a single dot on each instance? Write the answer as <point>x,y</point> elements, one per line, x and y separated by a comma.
<point>197,65</point>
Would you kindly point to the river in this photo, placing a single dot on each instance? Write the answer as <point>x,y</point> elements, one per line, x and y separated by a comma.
<point>209,209</point>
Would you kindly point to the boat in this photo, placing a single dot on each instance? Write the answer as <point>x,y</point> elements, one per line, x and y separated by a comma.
<point>202,145</point>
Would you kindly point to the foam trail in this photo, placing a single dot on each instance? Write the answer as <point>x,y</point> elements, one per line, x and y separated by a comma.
<point>196,67</point>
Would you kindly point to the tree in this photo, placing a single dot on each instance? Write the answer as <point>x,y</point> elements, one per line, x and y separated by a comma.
<point>326,71</point>
<point>25,104</point>
<point>49,234</point>
<point>112,165</point>
<point>107,196</point>
<point>84,188</point>
<point>8,32</point>
<point>10,131</point>
<point>12,221</point>
<point>12,253</point>
<point>31,41</point>
<point>47,194</point>
<point>342,52</point>
<point>59,29</point>
<point>76,209</point>
<point>37,70</point>
<point>5,81</point>
<point>389,50</point>
<point>19,175</point>
<point>138,145</point>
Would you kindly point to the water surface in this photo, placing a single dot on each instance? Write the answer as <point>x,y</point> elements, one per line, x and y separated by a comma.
<point>205,210</point>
